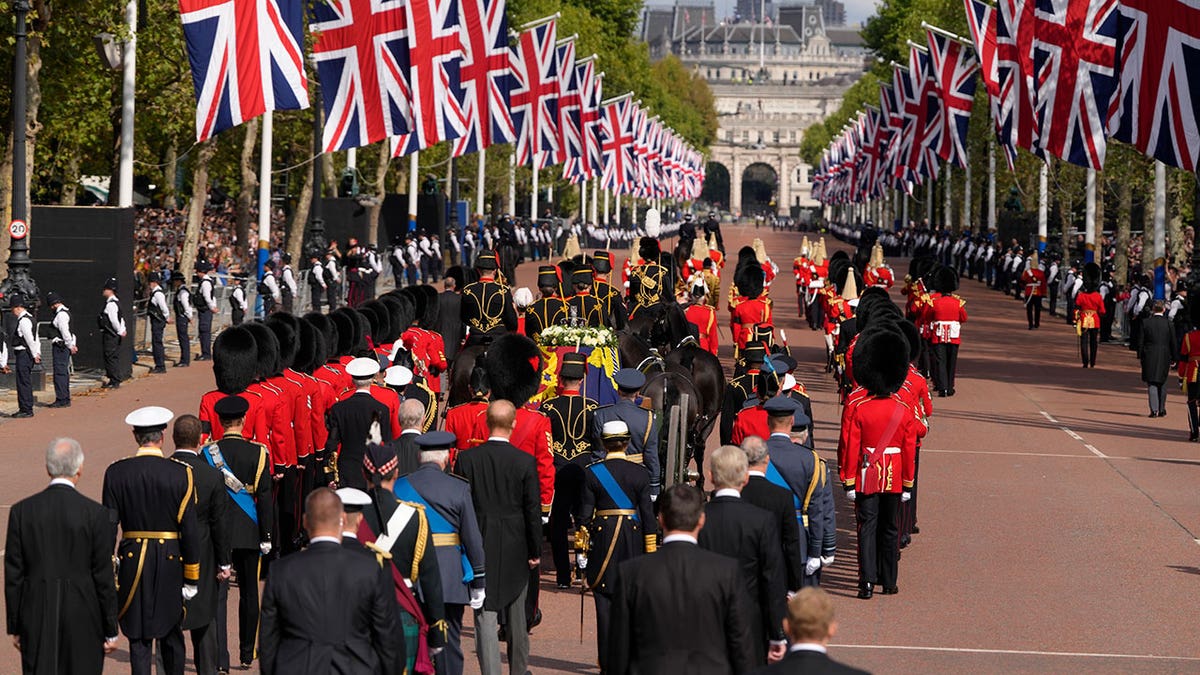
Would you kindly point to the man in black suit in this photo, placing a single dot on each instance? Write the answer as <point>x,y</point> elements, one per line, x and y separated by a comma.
<point>245,468</point>
<point>412,419</point>
<point>682,585</point>
<point>212,526</point>
<point>58,580</point>
<point>349,423</point>
<point>778,500</point>
<point>449,325</point>
<point>1158,351</point>
<point>810,625</point>
<point>504,488</point>
<point>329,609</point>
<point>740,530</point>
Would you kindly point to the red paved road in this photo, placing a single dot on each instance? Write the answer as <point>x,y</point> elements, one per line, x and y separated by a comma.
<point>1038,553</point>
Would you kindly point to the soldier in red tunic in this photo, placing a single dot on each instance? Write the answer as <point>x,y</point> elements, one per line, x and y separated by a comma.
<point>945,315</point>
<point>703,317</point>
<point>751,308</point>
<point>1033,280</point>
<point>1089,310</point>
<point>235,366</point>
<point>1189,369</point>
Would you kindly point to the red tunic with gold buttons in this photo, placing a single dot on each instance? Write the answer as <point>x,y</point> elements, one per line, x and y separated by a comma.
<point>468,423</point>
<point>1189,357</point>
<point>748,314</point>
<point>750,421</point>
<point>704,318</point>
<point>944,316</point>
<point>254,426</point>
<point>1089,307</point>
<point>531,433</point>
<point>877,447</point>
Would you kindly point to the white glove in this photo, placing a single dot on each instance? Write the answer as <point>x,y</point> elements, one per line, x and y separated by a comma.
<point>545,520</point>
<point>813,564</point>
<point>581,561</point>
<point>850,494</point>
<point>826,562</point>
<point>653,498</point>
<point>190,591</point>
<point>906,495</point>
<point>434,651</point>
<point>477,595</point>
<point>265,547</point>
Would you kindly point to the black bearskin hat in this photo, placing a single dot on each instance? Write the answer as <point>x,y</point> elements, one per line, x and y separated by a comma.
<point>750,280</point>
<point>920,266</point>
<point>328,331</point>
<point>1091,277</point>
<point>913,335</point>
<point>945,280</point>
<point>408,311</point>
<point>430,318</point>
<point>874,304</point>
<point>346,322</point>
<point>1193,306</point>
<point>881,360</point>
<point>384,315</point>
<point>418,300</point>
<point>306,348</point>
<point>648,249</point>
<point>289,341</point>
<point>395,309</point>
<point>235,360</point>
<point>746,257</point>
<point>364,334</point>
<point>375,325</point>
<point>513,365</point>
<point>458,274</point>
<point>268,349</point>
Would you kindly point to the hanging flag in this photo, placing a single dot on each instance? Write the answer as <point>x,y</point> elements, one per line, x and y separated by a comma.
<point>617,144</point>
<point>1015,73</point>
<point>981,19</point>
<point>933,141</point>
<point>246,59</point>
<point>485,75</point>
<point>534,99</point>
<point>570,145</point>
<point>586,165</point>
<point>361,52</point>
<point>954,68</point>
<point>1158,101</point>
<point>434,57</point>
<point>911,102</point>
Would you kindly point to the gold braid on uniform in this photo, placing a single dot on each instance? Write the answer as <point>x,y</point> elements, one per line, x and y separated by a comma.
<point>422,535</point>
<point>651,542</point>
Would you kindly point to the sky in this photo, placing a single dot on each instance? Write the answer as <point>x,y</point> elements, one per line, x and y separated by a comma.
<point>857,11</point>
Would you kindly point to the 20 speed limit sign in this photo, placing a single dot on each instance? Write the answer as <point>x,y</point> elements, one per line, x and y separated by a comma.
<point>17,229</point>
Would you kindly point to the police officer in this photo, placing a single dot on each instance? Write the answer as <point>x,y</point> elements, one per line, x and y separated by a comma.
<point>799,469</point>
<point>316,282</point>
<point>610,299</point>
<point>643,446</point>
<point>548,310</point>
<point>571,418</point>
<point>619,521</point>
<point>112,330</point>
<point>583,307</point>
<point>63,345</point>
<point>183,319</point>
<point>158,311</point>
<point>457,540</point>
<point>287,285</point>
<point>375,263</point>
<point>268,289</point>
<point>26,352</point>
<point>159,551</point>
<point>237,299</point>
<point>206,307</point>
<point>487,306</point>
<point>333,280</point>
<point>246,468</point>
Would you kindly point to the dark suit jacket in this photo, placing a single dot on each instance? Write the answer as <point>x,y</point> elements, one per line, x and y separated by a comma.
<point>806,662</point>
<point>1158,349</point>
<point>244,459</point>
<point>770,497</point>
<point>680,610</point>
<point>212,524</point>
<point>738,529</point>
<point>329,609</point>
<point>58,581</point>
<point>407,453</point>
<point>449,323</point>
<point>504,487</point>
<point>349,422</point>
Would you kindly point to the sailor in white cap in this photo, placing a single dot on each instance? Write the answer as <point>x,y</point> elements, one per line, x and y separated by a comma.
<point>159,551</point>
<point>353,503</point>
<point>349,422</point>
<point>400,379</point>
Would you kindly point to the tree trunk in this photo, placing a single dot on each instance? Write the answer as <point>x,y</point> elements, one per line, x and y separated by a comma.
<point>379,191</point>
<point>296,228</point>
<point>328,174</point>
<point>245,201</point>
<point>1177,190</point>
<point>70,190</point>
<point>195,221</point>
<point>170,198</point>
<point>6,190</point>
<point>1124,207</point>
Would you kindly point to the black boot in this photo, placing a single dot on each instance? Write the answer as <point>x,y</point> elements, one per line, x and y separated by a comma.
<point>1194,420</point>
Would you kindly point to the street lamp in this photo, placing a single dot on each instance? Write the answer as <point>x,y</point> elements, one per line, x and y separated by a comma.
<point>18,260</point>
<point>316,223</point>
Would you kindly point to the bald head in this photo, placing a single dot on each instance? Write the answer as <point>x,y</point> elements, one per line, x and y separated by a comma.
<point>501,418</point>
<point>412,414</point>
<point>323,513</point>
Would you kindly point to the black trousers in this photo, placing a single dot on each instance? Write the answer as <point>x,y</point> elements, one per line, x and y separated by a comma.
<point>268,305</point>
<point>221,626</point>
<point>185,339</point>
<point>946,357</point>
<point>62,372</point>
<point>206,334</point>
<point>170,648</point>
<point>315,294</point>
<point>110,344</point>
<point>331,295</point>
<point>1135,333</point>
<point>908,509</point>
<point>1033,311</point>
<point>878,538</point>
<point>246,566</point>
<point>237,316</point>
<point>568,484</point>
<point>603,612</point>
<point>1053,297</point>
<point>157,328</point>
<point>288,301</point>
<point>450,661</point>
<point>204,649</point>
<point>1089,340</point>
<point>288,500</point>
<point>24,375</point>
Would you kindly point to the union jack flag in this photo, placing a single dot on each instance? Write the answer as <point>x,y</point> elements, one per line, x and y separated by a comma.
<point>1074,54</point>
<point>361,52</point>
<point>434,57</point>
<point>911,104</point>
<point>534,100</point>
<point>485,75</point>
<point>246,59</point>
<point>933,141</point>
<point>954,68</point>
<point>1158,57</point>
<point>570,145</point>
<point>981,19</point>
<point>1015,75</point>
<point>617,144</point>
<point>588,164</point>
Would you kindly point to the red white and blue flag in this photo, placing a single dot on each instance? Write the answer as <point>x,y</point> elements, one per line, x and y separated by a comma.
<point>570,145</point>
<point>485,75</point>
<point>246,59</point>
<point>534,99</point>
<point>1015,75</point>
<point>435,59</point>
<point>588,164</point>
<point>617,144</point>
<point>954,67</point>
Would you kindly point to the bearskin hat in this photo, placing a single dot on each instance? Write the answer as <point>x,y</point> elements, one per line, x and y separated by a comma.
<point>306,348</point>
<point>235,360</point>
<point>458,274</point>
<point>328,331</point>
<point>875,305</point>
<point>1091,277</point>
<point>321,339</point>
<point>375,325</point>
<point>289,342</point>
<point>408,310</point>
<point>348,335</point>
<point>750,280</point>
<point>648,249</point>
<point>837,268</point>
<point>1193,306</point>
<point>913,335</point>
<point>395,309</point>
<point>362,347</point>
<point>945,280</point>
<point>513,365</point>
<point>418,300</point>
<point>432,307</point>
<point>746,256</point>
<point>881,360</point>
<point>384,315</point>
<point>268,349</point>
<point>920,266</point>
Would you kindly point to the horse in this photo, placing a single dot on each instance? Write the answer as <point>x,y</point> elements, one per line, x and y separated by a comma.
<point>458,389</point>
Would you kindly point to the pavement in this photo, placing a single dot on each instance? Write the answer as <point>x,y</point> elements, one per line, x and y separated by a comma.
<point>1059,524</point>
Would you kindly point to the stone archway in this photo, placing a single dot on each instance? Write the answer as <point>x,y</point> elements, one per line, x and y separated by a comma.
<point>716,190</point>
<point>759,189</point>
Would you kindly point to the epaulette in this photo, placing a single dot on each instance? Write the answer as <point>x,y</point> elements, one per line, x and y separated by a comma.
<point>415,505</point>
<point>118,461</point>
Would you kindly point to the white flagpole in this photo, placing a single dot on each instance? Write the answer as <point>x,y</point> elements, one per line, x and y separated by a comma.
<point>512,182</point>
<point>128,86</point>
<point>533,195</point>
<point>264,190</point>
<point>606,219</point>
<point>582,201</point>
<point>966,217</point>
<point>595,193</point>
<point>949,215</point>
<point>414,167</point>
<point>1089,234</point>
<point>1043,206</point>
<point>480,175</point>
<point>352,158</point>
<point>991,203</point>
<point>1160,229</point>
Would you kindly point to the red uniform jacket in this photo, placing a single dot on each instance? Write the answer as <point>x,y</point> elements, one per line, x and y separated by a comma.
<point>750,421</point>
<point>429,356</point>
<point>945,315</point>
<point>532,434</point>
<point>768,273</point>
<point>704,318</point>
<point>1089,307</point>
<point>386,396</point>
<point>748,314</point>
<point>877,448</point>
<point>836,310</point>
<point>915,394</point>
<point>1189,357</point>
<point>277,409</point>
<point>803,270</point>
<point>334,374</point>
<point>468,423</point>
<point>1034,281</point>
<point>292,383</point>
<point>254,428</point>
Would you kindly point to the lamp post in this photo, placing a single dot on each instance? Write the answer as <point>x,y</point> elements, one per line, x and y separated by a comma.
<point>316,223</point>
<point>18,261</point>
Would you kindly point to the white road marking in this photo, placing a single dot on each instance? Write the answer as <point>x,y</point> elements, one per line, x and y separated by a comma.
<point>1024,652</point>
<point>1047,416</point>
<point>1074,435</point>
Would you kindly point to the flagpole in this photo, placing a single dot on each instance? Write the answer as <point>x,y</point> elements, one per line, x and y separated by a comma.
<point>1043,189</point>
<point>904,200</point>
<point>533,197</point>
<point>949,215</point>
<point>128,86</point>
<point>1089,233</point>
<point>264,191</point>
<point>583,201</point>
<point>1160,229</point>
<point>512,182</point>
<point>606,218</point>
<point>966,218</point>
<point>414,167</point>
<point>595,192</point>
<point>480,176</point>
<point>929,200</point>
<point>991,189</point>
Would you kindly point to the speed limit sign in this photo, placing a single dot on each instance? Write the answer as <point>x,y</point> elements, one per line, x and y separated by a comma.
<point>18,229</point>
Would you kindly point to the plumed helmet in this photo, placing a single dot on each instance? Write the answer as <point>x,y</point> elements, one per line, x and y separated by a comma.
<point>1091,277</point>
<point>571,247</point>
<point>653,223</point>
<point>945,280</point>
<point>760,250</point>
<point>513,365</point>
<point>851,282</point>
<point>268,349</point>
<point>699,249</point>
<point>750,280</point>
<point>235,360</point>
<point>522,297</point>
<point>648,249</point>
<point>328,331</point>
<point>881,360</point>
<point>289,341</point>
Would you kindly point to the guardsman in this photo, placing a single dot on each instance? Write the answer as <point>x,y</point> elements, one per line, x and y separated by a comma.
<point>751,420</point>
<point>235,366</point>
<point>427,348</point>
<point>802,270</point>
<point>316,281</point>
<point>571,417</point>
<point>112,332</point>
<point>158,556</point>
<point>548,310</point>
<point>740,389</point>
<point>1189,369</point>
<point>695,263</point>
<point>63,345</point>
<point>468,421</point>
<point>649,280</point>
<point>487,306</point>
<point>609,297</point>
<point>769,268</point>
<point>1089,310</point>
<point>456,537</point>
<point>878,273</point>
<point>237,299</point>
<point>268,289</point>
<point>158,310</point>
<point>1033,285</point>
<point>206,308</point>
<point>183,320</point>
<point>643,446</point>
<point>24,345</point>
<point>583,307</point>
<point>702,316</point>
<point>753,310</point>
<point>945,315</point>
<point>798,468</point>
<point>834,310</point>
<point>618,518</point>
<point>245,467</point>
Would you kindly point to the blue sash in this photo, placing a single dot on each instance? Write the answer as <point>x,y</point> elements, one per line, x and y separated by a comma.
<point>437,522</point>
<point>615,493</point>
<point>776,478</point>
<point>243,499</point>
